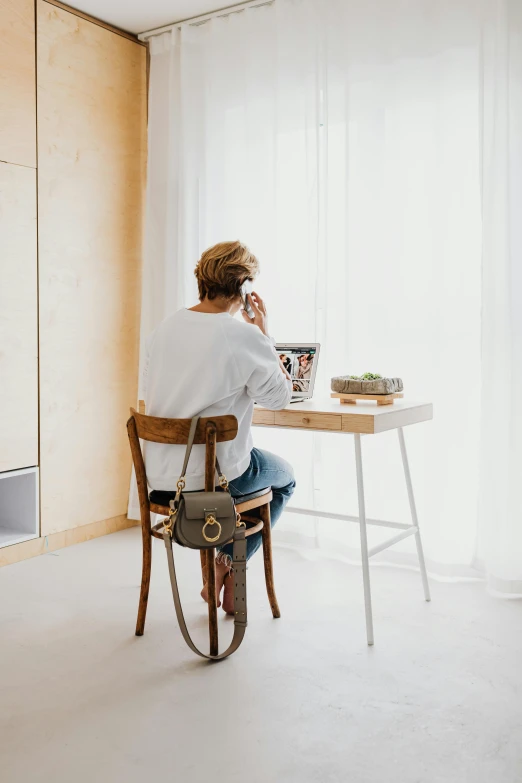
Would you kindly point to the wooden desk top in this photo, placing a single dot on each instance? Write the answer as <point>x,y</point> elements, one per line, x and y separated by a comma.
<point>329,415</point>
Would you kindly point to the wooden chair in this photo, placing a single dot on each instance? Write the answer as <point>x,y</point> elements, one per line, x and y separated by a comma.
<point>254,508</point>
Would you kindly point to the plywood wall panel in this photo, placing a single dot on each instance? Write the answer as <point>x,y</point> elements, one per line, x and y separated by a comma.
<point>18,318</point>
<point>17,82</point>
<point>91,160</point>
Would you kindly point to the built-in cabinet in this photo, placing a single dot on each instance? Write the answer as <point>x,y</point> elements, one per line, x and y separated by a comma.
<point>19,517</point>
<point>17,83</point>
<point>91,168</point>
<point>18,319</point>
<point>72,169</point>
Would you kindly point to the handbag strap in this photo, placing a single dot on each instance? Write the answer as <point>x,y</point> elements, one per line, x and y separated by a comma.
<point>188,450</point>
<point>240,603</point>
<point>238,567</point>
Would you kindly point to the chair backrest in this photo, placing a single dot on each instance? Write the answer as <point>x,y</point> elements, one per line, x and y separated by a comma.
<point>210,430</point>
<point>176,431</point>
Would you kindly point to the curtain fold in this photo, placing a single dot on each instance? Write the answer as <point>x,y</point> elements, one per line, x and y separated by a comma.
<point>370,155</point>
<point>500,515</point>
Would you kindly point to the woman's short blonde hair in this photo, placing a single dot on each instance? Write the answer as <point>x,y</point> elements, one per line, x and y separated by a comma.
<point>223,268</point>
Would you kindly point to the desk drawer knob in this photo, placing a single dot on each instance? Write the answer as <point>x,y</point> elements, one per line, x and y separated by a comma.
<point>306,420</point>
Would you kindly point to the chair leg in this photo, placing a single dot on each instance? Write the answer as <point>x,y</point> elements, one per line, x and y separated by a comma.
<point>212,600</point>
<point>145,580</point>
<point>266,532</point>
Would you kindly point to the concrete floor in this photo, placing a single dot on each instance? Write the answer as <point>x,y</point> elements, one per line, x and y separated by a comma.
<point>82,700</point>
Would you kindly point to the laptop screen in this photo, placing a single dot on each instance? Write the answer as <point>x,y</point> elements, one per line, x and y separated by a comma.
<point>300,363</point>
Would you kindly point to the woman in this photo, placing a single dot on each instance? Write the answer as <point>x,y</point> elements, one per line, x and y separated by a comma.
<point>305,366</point>
<point>204,361</point>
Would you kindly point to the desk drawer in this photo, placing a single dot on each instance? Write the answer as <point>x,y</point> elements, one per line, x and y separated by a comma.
<point>307,420</point>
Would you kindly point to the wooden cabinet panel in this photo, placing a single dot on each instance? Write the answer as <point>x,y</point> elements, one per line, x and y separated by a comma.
<point>17,82</point>
<point>18,318</point>
<point>91,162</point>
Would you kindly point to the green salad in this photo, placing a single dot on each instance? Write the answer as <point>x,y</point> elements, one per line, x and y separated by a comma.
<point>367,376</point>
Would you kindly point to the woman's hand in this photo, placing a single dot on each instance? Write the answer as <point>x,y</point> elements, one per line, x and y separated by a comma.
<point>259,308</point>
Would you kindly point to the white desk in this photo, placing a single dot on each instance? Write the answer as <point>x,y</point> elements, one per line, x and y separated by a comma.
<point>362,418</point>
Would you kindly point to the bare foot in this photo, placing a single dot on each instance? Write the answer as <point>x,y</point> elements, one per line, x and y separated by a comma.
<point>228,595</point>
<point>221,572</point>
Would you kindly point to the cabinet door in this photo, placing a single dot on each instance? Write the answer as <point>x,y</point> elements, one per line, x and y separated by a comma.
<point>91,161</point>
<point>18,318</point>
<point>17,82</point>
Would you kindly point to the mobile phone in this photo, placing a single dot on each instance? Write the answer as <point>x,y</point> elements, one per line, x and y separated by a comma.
<point>246,288</point>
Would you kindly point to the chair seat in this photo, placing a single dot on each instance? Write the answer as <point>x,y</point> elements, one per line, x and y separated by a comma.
<point>161,497</point>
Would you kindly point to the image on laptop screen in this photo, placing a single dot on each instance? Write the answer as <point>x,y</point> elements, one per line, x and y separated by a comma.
<point>300,361</point>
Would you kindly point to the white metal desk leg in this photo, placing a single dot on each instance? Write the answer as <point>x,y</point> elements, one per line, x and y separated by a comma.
<point>414,518</point>
<point>364,541</point>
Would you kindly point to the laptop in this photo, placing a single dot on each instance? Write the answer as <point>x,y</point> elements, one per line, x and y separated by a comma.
<point>300,361</point>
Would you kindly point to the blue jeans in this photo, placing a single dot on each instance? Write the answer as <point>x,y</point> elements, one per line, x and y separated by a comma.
<point>265,470</point>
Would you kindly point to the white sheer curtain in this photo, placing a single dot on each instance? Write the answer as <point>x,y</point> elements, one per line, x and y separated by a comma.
<point>371,155</point>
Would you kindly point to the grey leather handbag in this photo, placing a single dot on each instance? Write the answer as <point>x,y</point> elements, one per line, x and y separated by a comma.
<point>203,520</point>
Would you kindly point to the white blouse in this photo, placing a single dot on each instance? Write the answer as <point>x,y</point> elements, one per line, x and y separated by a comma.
<point>211,364</point>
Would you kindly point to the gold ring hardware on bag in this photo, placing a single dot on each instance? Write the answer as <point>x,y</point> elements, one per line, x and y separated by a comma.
<point>239,522</point>
<point>223,482</point>
<point>167,524</point>
<point>211,520</point>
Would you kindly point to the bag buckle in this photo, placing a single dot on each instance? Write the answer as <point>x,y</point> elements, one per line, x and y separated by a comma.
<point>168,522</point>
<point>211,520</point>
